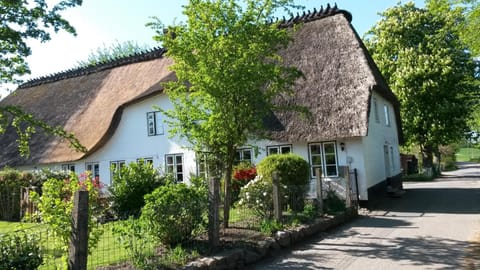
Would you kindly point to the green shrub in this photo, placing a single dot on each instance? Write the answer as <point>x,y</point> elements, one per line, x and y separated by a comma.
<point>133,235</point>
<point>130,185</point>
<point>174,212</point>
<point>257,195</point>
<point>20,251</point>
<point>269,226</point>
<point>56,204</point>
<point>332,203</point>
<point>293,171</point>
<point>11,182</point>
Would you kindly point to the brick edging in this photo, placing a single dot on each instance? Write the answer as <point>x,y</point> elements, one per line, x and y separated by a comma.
<point>239,257</point>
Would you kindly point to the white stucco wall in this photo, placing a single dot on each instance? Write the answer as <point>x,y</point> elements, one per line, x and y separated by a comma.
<point>379,136</point>
<point>131,142</point>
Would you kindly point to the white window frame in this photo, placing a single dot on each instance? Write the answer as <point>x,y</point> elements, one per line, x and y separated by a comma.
<point>279,149</point>
<point>68,167</point>
<point>386,110</point>
<point>240,155</point>
<point>154,124</point>
<point>173,167</point>
<point>115,168</point>
<point>146,160</point>
<point>323,158</point>
<point>201,161</point>
<point>93,168</point>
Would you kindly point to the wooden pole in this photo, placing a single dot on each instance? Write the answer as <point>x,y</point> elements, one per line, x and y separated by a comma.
<point>78,252</point>
<point>348,195</point>
<point>213,212</point>
<point>277,200</point>
<point>318,174</point>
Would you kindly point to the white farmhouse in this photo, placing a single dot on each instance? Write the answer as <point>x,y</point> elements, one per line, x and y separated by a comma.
<point>110,107</point>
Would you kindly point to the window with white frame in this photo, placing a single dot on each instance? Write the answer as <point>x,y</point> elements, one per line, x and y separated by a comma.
<point>115,168</point>
<point>279,149</point>
<point>243,155</point>
<point>387,115</point>
<point>323,156</point>
<point>147,160</point>
<point>174,166</point>
<point>93,168</point>
<point>375,110</point>
<point>154,123</point>
<point>68,167</point>
<point>201,160</point>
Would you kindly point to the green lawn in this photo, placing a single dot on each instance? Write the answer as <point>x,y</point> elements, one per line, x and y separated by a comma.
<point>468,154</point>
<point>109,250</point>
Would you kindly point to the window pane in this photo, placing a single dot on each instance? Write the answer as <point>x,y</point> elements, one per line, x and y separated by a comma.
<point>316,160</point>
<point>330,159</point>
<point>169,160</point>
<point>331,170</point>
<point>169,169</point>
<point>178,159</point>
<point>272,150</point>
<point>151,123</point>
<point>247,154</point>
<point>286,149</point>
<point>329,148</point>
<point>179,169</point>
<point>315,149</point>
<point>180,177</point>
<point>314,170</point>
<point>237,156</point>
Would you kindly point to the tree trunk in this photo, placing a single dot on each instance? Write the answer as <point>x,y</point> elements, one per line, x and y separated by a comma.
<point>228,186</point>
<point>427,159</point>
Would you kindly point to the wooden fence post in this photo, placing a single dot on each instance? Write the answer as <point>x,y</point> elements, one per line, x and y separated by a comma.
<point>318,174</point>
<point>213,212</point>
<point>277,200</point>
<point>348,195</point>
<point>78,251</point>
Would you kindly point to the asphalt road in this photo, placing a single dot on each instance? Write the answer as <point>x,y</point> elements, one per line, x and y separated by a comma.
<point>434,225</point>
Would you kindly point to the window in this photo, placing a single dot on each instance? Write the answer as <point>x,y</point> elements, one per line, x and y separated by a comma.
<point>68,167</point>
<point>115,167</point>
<point>154,123</point>
<point>279,149</point>
<point>375,110</point>
<point>244,154</point>
<point>174,166</point>
<point>323,156</point>
<point>147,160</point>
<point>201,160</point>
<point>93,168</point>
<point>387,115</point>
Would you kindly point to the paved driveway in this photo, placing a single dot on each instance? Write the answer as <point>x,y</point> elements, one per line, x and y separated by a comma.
<point>433,226</point>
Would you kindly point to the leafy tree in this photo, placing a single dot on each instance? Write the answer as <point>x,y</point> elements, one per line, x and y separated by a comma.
<point>429,68</point>
<point>111,52</point>
<point>20,21</point>
<point>229,72</point>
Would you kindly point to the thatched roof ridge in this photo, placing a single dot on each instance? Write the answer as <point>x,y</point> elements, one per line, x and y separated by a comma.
<point>146,55</point>
<point>314,15</point>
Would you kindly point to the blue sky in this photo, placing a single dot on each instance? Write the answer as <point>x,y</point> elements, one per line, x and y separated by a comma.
<point>104,22</point>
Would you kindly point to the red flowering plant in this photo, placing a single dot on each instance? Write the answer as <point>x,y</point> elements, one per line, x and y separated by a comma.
<point>242,174</point>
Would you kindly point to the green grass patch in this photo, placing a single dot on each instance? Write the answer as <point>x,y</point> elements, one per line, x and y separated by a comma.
<point>468,154</point>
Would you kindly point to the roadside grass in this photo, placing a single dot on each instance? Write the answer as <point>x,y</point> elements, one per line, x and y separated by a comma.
<point>108,251</point>
<point>468,154</point>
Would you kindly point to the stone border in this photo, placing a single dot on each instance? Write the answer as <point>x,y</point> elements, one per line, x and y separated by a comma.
<point>239,257</point>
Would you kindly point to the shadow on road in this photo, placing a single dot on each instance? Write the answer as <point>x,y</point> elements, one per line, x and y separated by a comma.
<point>434,200</point>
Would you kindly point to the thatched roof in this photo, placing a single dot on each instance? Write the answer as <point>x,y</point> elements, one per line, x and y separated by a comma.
<point>340,77</point>
<point>339,80</point>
